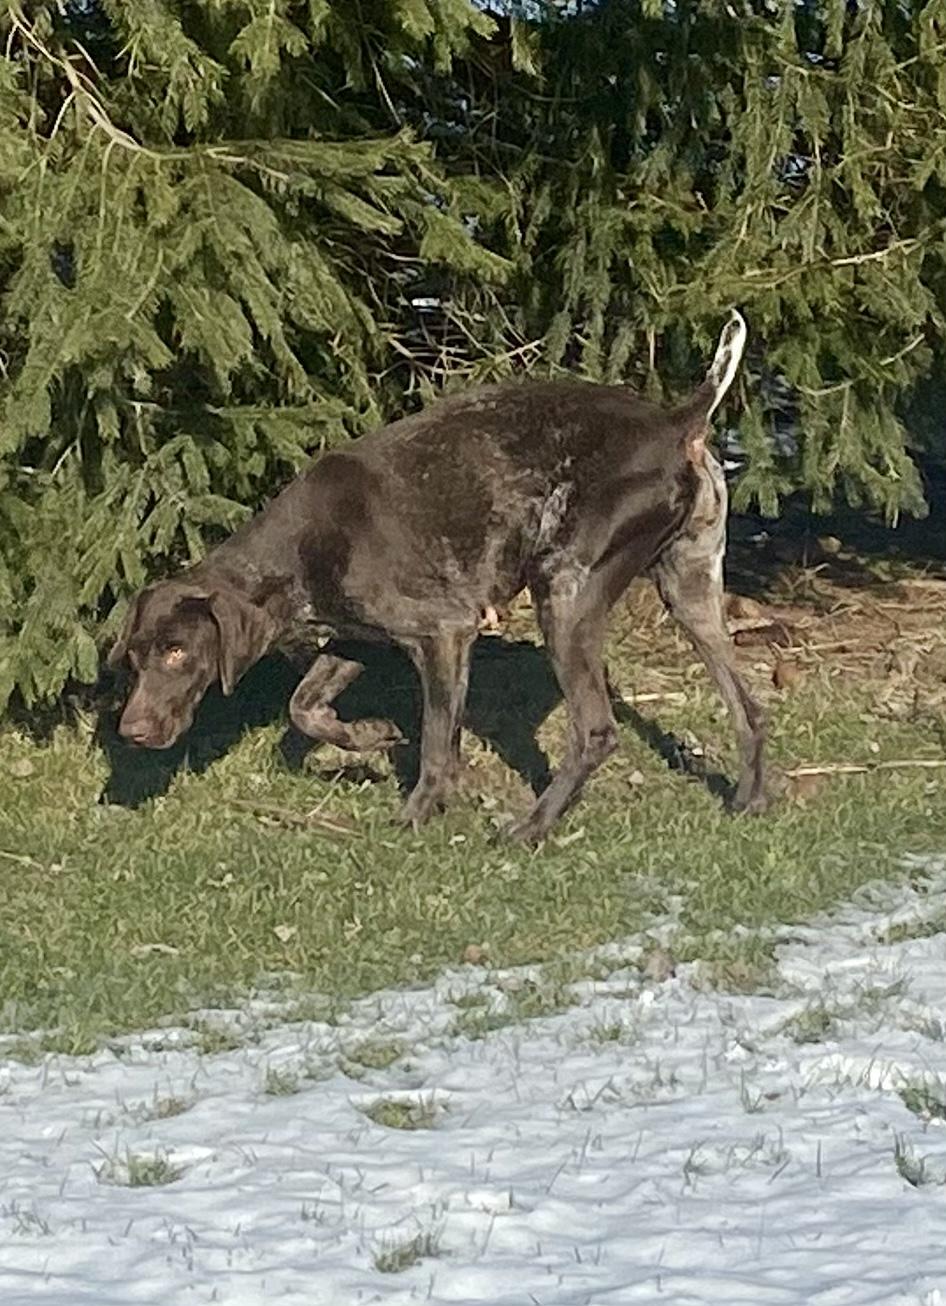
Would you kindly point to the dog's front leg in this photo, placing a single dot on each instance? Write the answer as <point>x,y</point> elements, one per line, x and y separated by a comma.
<point>443,663</point>
<point>311,708</point>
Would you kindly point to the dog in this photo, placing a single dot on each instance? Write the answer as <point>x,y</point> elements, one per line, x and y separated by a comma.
<point>418,532</point>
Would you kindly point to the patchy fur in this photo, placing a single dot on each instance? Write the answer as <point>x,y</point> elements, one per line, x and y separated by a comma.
<point>423,531</point>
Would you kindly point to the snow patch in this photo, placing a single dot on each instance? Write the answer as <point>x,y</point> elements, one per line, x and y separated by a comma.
<point>654,1141</point>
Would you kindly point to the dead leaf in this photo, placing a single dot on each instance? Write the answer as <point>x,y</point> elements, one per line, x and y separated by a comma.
<point>20,768</point>
<point>774,632</point>
<point>658,965</point>
<point>787,675</point>
<point>285,932</point>
<point>740,606</point>
<point>473,954</point>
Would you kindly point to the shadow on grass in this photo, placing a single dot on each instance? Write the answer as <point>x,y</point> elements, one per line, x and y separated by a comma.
<point>761,549</point>
<point>512,691</point>
<point>674,751</point>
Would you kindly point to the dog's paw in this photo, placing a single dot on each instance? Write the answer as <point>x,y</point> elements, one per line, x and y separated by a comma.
<point>753,805</point>
<point>420,806</point>
<point>374,735</point>
<point>525,831</point>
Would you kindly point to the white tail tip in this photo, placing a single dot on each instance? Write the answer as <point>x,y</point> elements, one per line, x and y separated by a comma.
<point>728,356</point>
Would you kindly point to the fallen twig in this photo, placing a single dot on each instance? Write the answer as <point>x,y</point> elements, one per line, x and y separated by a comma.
<point>305,820</point>
<point>22,860</point>
<point>664,696</point>
<point>860,768</point>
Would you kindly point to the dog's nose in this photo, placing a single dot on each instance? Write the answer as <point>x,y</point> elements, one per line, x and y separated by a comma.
<point>137,730</point>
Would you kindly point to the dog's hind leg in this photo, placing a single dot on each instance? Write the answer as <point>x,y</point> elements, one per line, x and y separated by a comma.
<point>311,711</point>
<point>443,663</point>
<point>689,577</point>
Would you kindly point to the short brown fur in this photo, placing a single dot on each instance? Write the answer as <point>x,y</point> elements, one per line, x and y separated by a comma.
<point>414,532</point>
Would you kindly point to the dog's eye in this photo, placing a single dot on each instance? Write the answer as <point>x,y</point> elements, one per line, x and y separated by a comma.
<point>173,656</point>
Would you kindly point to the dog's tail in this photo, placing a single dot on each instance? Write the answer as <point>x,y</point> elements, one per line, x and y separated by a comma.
<point>697,412</point>
<point>725,364</point>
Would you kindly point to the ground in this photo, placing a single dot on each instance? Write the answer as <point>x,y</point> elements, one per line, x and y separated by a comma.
<point>257,1044</point>
<point>654,1140</point>
<point>121,909</point>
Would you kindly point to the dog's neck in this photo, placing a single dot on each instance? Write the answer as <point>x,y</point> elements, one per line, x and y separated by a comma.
<point>268,593</point>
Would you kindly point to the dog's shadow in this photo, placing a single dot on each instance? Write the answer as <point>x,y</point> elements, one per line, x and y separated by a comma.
<point>677,754</point>
<point>512,691</point>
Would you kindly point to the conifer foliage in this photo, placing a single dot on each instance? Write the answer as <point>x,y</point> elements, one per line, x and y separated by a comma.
<point>664,160</point>
<point>214,215</point>
<point>206,213</point>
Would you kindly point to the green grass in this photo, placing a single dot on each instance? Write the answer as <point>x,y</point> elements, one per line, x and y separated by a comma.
<point>280,1083</point>
<point>396,1113</point>
<point>393,1257</point>
<point>112,918</point>
<point>925,1100</point>
<point>140,1171</point>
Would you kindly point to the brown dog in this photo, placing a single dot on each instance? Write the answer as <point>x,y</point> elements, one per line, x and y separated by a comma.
<point>413,533</point>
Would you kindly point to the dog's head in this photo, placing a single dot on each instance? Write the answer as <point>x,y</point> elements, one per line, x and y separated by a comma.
<point>178,640</point>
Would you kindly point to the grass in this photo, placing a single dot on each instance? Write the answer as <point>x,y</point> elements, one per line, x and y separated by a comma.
<point>396,1113</point>
<point>280,1083</point>
<point>114,918</point>
<point>925,1100</point>
<point>393,1257</point>
<point>140,1171</point>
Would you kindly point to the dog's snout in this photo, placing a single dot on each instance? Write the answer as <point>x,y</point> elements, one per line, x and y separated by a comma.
<point>139,728</point>
<point>138,733</point>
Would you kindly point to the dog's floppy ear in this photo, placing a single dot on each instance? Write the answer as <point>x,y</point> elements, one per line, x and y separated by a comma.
<point>245,634</point>
<point>119,649</point>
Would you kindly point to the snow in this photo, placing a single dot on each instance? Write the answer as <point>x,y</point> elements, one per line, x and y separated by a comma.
<point>656,1141</point>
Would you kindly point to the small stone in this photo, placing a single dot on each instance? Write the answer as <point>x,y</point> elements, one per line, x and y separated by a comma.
<point>830,544</point>
<point>473,954</point>
<point>20,768</point>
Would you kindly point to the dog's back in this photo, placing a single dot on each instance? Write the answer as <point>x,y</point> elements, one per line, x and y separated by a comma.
<point>417,531</point>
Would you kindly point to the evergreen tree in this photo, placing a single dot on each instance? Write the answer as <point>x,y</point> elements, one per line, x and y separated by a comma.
<point>209,213</point>
<point>215,214</point>
<point>654,163</point>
